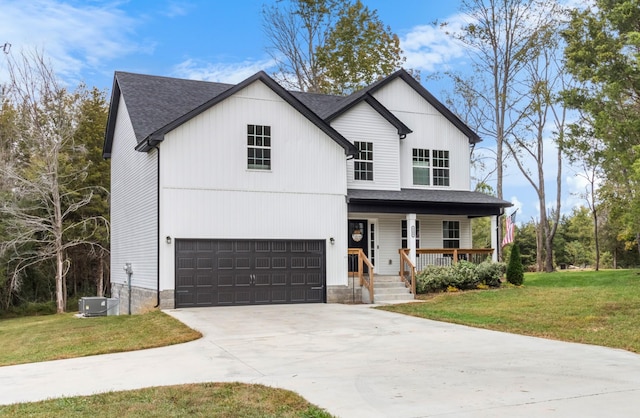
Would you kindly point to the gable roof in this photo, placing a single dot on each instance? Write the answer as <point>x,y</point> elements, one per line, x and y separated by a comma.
<point>160,104</point>
<point>366,93</point>
<point>325,105</point>
<point>154,101</point>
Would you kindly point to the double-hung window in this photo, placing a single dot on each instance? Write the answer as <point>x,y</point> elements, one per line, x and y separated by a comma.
<point>430,167</point>
<point>421,168</point>
<point>440,168</point>
<point>363,163</point>
<point>258,147</point>
<point>450,234</point>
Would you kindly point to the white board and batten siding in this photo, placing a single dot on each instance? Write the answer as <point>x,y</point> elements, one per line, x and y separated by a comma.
<point>133,207</point>
<point>431,130</point>
<point>363,123</point>
<point>208,192</point>
<point>389,236</point>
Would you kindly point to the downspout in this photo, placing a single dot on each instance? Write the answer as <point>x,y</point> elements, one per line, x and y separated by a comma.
<point>158,229</point>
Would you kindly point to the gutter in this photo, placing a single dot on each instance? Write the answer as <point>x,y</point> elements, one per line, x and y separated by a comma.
<point>158,224</point>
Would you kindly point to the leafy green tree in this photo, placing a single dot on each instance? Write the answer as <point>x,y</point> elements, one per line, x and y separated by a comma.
<point>93,255</point>
<point>329,46</point>
<point>603,46</point>
<point>515,270</point>
<point>359,50</point>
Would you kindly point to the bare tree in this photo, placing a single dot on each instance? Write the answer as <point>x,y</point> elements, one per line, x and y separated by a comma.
<point>295,31</point>
<point>501,37</point>
<point>37,211</point>
<point>544,82</point>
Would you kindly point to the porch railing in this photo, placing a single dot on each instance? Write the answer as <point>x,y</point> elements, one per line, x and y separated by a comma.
<point>447,256</point>
<point>408,272</point>
<point>366,279</point>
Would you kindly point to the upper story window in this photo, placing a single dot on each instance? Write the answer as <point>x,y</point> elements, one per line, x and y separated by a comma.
<point>450,234</point>
<point>363,163</point>
<point>421,168</point>
<point>440,168</point>
<point>258,147</point>
<point>430,167</point>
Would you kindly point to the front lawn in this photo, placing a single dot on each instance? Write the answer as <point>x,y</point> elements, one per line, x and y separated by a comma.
<point>197,400</point>
<point>52,337</point>
<point>601,308</point>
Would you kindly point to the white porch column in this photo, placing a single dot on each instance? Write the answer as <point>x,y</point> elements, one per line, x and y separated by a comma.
<point>494,238</point>
<point>411,236</point>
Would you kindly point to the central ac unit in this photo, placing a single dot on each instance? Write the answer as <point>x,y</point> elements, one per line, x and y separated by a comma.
<point>93,306</point>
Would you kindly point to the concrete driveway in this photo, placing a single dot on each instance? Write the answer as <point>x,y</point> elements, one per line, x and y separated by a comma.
<point>359,362</point>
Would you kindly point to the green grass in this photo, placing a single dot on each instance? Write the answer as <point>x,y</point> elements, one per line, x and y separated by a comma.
<point>197,400</point>
<point>601,308</point>
<point>52,337</point>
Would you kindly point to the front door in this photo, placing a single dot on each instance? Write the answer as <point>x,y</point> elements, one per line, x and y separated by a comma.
<point>358,238</point>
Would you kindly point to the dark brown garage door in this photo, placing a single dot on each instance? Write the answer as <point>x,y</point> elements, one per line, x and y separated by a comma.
<point>249,272</point>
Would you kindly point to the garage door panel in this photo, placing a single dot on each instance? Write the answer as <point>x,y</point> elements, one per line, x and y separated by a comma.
<point>242,280</point>
<point>279,263</point>
<point>263,262</point>
<point>225,280</point>
<point>314,279</point>
<point>298,262</point>
<point>241,272</point>
<point>262,280</point>
<point>279,279</point>
<point>243,297</point>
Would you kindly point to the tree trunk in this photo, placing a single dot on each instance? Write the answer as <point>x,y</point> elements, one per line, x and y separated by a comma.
<point>100,284</point>
<point>596,241</point>
<point>539,248</point>
<point>59,280</point>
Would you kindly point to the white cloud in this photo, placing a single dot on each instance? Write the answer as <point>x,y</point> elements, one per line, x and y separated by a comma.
<point>74,38</point>
<point>220,72</point>
<point>177,8</point>
<point>429,47</point>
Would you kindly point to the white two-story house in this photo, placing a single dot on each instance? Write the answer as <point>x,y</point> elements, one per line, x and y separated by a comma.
<point>251,194</point>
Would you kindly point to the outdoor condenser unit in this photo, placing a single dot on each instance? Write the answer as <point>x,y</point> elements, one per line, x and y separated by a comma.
<point>93,306</point>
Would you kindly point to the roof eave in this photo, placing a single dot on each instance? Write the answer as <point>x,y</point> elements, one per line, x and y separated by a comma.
<point>111,119</point>
<point>349,148</point>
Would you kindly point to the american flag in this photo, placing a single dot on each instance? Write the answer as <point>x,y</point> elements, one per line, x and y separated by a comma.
<point>510,224</point>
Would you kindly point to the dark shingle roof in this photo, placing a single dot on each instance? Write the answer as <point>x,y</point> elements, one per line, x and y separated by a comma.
<point>436,201</point>
<point>157,104</point>
<point>158,135</point>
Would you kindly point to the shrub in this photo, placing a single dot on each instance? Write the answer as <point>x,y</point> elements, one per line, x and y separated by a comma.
<point>490,273</point>
<point>432,279</point>
<point>515,271</point>
<point>464,275</point>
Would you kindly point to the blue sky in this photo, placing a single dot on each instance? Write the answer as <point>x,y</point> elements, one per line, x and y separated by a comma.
<point>220,40</point>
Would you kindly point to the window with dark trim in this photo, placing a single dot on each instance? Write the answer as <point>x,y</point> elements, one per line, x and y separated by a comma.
<point>363,163</point>
<point>421,167</point>
<point>405,244</point>
<point>450,234</point>
<point>258,147</point>
<point>440,161</point>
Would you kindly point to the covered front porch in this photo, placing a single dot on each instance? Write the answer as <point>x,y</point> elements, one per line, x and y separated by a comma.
<point>398,233</point>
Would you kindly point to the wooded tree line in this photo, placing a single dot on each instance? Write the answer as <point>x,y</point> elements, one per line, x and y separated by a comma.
<point>54,236</point>
<point>549,77</point>
<point>542,77</point>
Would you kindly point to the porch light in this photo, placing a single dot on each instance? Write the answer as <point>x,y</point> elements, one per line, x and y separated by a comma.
<point>332,241</point>
<point>168,239</point>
